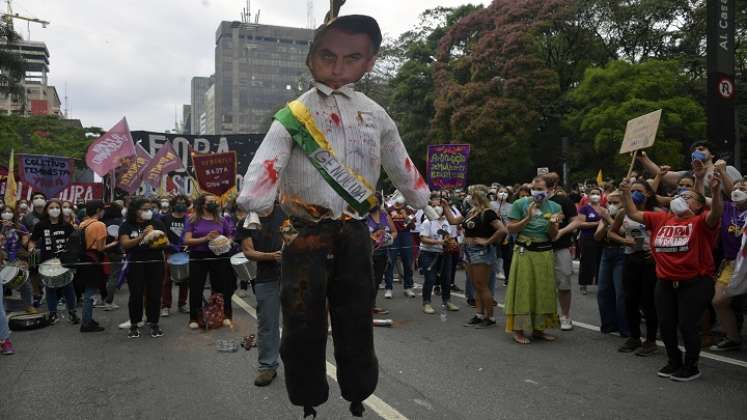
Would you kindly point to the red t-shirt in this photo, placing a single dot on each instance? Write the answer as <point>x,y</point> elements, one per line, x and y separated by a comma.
<point>682,248</point>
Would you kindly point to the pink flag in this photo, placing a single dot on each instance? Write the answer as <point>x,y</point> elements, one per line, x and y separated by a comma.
<point>130,176</point>
<point>106,152</point>
<point>163,162</point>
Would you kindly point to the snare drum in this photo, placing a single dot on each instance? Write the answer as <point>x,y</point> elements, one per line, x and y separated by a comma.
<point>179,267</point>
<point>13,275</point>
<point>245,269</point>
<point>54,275</point>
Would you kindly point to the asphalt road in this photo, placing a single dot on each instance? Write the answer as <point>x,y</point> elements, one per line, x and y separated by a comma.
<point>429,370</point>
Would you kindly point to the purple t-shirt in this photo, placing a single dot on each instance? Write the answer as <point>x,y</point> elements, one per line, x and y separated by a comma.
<point>731,230</point>
<point>202,227</point>
<point>591,216</point>
<point>13,241</point>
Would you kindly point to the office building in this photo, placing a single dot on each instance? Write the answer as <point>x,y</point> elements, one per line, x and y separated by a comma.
<point>199,87</point>
<point>39,98</point>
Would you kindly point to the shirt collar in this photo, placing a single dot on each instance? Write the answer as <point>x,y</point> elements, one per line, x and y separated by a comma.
<point>346,90</point>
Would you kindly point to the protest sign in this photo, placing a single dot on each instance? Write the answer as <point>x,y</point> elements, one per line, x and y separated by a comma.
<point>543,171</point>
<point>215,173</point>
<point>447,165</point>
<point>47,174</point>
<point>106,152</point>
<point>77,191</point>
<point>163,162</point>
<point>640,133</point>
<point>130,177</point>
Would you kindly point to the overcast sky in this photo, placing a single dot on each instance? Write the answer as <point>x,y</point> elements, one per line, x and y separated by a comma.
<point>136,57</point>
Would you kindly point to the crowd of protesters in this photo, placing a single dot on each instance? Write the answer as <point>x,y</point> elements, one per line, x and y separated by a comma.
<point>662,247</point>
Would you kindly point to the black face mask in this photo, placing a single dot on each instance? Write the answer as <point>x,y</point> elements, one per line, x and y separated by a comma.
<point>212,207</point>
<point>180,208</point>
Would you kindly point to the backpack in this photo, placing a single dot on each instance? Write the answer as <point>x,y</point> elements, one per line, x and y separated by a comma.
<point>75,248</point>
<point>212,316</point>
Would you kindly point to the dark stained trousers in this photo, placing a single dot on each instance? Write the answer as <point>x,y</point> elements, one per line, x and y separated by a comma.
<point>328,263</point>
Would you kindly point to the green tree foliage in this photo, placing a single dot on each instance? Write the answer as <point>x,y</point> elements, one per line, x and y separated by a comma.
<point>43,135</point>
<point>12,68</point>
<point>608,97</point>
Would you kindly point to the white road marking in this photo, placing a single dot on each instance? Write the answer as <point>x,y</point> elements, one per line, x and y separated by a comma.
<point>703,353</point>
<point>379,406</point>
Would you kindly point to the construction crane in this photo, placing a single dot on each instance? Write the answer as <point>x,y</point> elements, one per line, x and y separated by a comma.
<point>9,16</point>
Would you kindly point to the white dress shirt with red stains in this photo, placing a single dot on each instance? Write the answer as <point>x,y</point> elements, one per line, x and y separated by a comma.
<point>364,138</point>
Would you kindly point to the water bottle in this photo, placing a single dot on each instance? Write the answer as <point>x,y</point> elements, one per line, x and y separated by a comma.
<point>442,314</point>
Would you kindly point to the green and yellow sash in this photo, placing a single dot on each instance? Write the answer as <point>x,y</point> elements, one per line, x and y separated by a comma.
<point>353,188</point>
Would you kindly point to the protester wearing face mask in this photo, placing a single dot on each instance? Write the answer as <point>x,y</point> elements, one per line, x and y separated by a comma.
<point>732,223</point>
<point>175,222</point>
<point>164,206</point>
<point>682,245</point>
<point>95,269</point>
<point>507,245</point>
<point>590,215</point>
<point>639,272</point>
<point>14,250</point>
<point>144,267</point>
<point>50,237</point>
<point>38,201</point>
<point>435,263</point>
<point>205,225</point>
<point>68,213</point>
<point>383,234</point>
<point>114,253</point>
<point>402,247</point>
<point>531,296</point>
<point>610,294</point>
<point>482,230</point>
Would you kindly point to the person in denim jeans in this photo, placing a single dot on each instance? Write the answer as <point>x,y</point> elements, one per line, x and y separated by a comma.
<point>264,246</point>
<point>436,265</point>
<point>610,294</point>
<point>401,247</point>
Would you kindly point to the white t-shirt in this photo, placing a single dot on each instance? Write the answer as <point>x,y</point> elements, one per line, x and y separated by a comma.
<point>429,229</point>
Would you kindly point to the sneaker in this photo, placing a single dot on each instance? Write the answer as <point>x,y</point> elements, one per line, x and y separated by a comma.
<point>193,325</point>
<point>379,311</point>
<point>647,348</point>
<point>686,373</point>
<point>164,311</point>
<point>668,370</point>
<point>565,323</point>
<point>486,323</point>
<point>6,348</point>
<point>125,325</point>
<point>183,309</point>
<point>455,288</point>
<point>409,293</point>
<point>475,320</point>
<point>428,308</point>
<point>134,332</point>
<point>91,327</point>
<point>631,344</point>
<point>74,318</point>
<point>53,318</point>
<point>97,303</point>
<point>501,276</point>
<point>265,377</point>
<point>437,290</point>
<point>155,331</point>
<point>228,323</point>
<point>451,307</point>
<point>388,294</point>
<point>726,344</point>
<point>242,293</point>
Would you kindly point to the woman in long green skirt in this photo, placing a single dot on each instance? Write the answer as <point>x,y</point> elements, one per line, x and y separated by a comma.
<point>531,298</point>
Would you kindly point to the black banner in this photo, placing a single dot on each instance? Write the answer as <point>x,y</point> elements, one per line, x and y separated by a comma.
<point>245,145</point>
<point>721,87</point>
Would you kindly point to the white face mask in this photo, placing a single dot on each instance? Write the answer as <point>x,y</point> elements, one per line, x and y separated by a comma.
<point>7,216</point>
<point>595,198</point>
<point>146,214</point>
<point>124,212</point>
<point>679,206</point>
<point>613,210</point>
<point>67,211</point>
<point>24,206</point>
<point>39,202</point>
<point>502,196</point>
<point>539,195</point>
<point>164,204</point>
<point>54,213</point>
<point>738,196</point>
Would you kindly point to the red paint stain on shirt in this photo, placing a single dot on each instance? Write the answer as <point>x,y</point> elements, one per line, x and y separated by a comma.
<point>335,119</point>
<point>270,178</point>
<point>420,183</point>
<point>270,171</point>
<point>408,164</point>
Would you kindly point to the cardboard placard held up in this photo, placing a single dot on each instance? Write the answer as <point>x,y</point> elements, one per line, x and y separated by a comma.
<point>543,171</point>
<point>640,133</point>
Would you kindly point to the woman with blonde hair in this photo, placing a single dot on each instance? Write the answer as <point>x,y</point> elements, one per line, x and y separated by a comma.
<point>482,229</point>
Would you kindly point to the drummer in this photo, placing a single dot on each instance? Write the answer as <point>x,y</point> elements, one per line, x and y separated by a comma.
<point>16,239</point>
<point>264,246</point>
<point>205,225</point>
<point>144,267</point>
<point>50,236</point>
<point>175,221</point>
